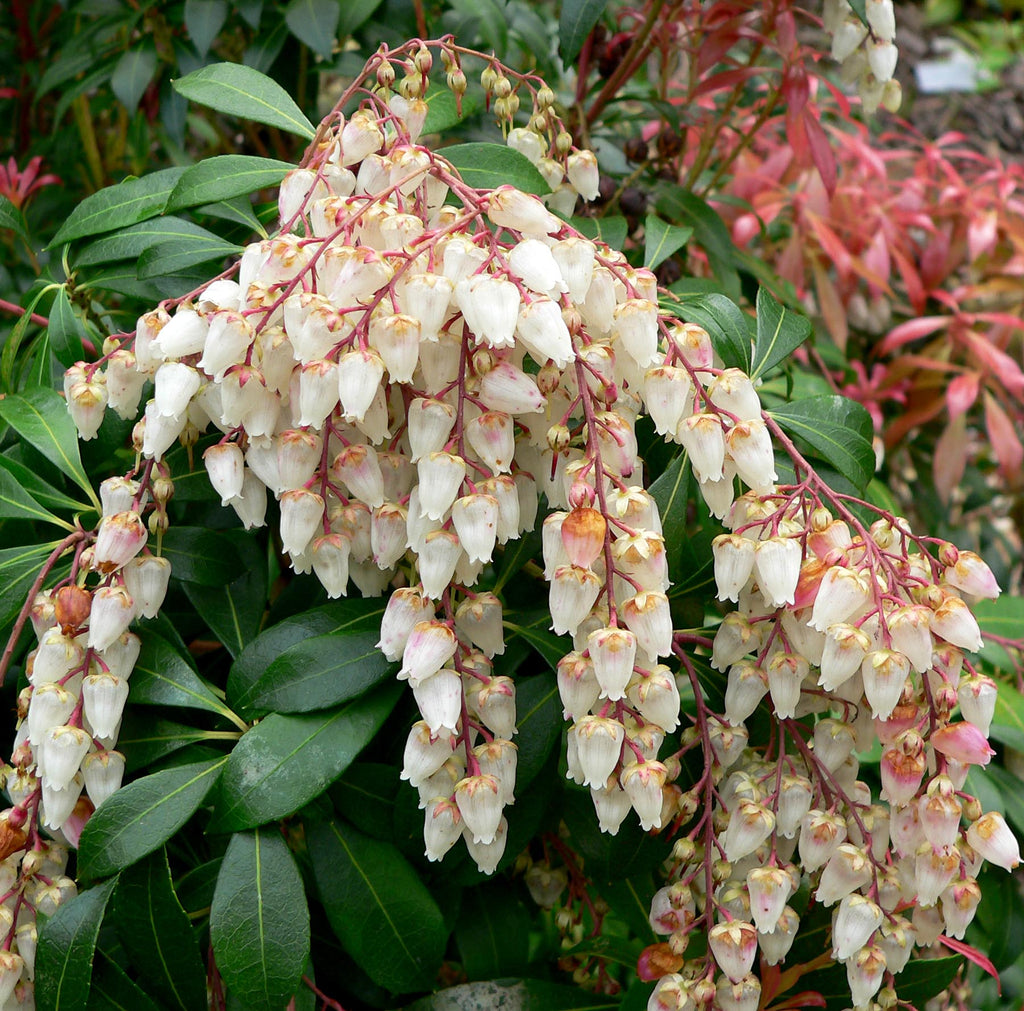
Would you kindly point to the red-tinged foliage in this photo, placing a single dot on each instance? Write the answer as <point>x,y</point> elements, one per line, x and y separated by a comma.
<point>18,185</point>
<point>972,953</point>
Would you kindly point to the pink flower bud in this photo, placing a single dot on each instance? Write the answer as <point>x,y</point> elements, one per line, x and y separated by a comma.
<point>120,538</point>
<point>963,742</point>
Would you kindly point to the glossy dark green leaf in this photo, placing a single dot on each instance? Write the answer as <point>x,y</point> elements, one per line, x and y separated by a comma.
<point>238,210</point>
<point>18,570</point>
<point>630,900</point>
<point>115,207</point>
<point>112,990</point>
<point>41,490</point>
<point>131,242</point>
<point>365,796</point>
<point>259,921</point>
<point>41,418</point>
<point>203,20</point>
<point>65,329</point>
<point>67,945</point>
<point>196,887</point>
<point>17,504</point>
<point>355,13</point>
<point>145,740</point>
<point>680,206</point>
<point>322,672</point>
<point>486,166</point>
<point>1008,719</point>
<point>352,614</point>
<point>377,906</point>
<point>661,240</point>
<point>183,254</point>
<point>226,176</point>
<point>234,610</point>
<point>157,934</point>
<point>13,341</point>
<point>859,8</point>
<point>780,331</point>
<point>442,111</point>
<point>671,491</point>
<point>241,91</point>
<point>1003,617</point>
<point>198,555</point>
<point>285,761</point>
<point>493,932</point>
<point>133,72</point>
<point>611,229</point>
<point>142,816</point>
<point>539,720</point>
<point>537,633</point>
<point>123,279</point>
<point>314,22</point>
<point>11,217</point>
<point>576,21</point>
<point>727,325</point>
<point>839,429</point>
<point>163,678</point>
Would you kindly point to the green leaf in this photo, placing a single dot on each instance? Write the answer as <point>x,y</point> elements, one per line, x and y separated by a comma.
<point>198,555</point>
<point>238,90</point>
<point>322,672</point>
<point>629,899</point>
<point>115,207</point>
<point>860,9</point>
<point>365,795</point>
<point>142,816</point>
<point>112,990</point>
<point>16,503</point>
<point>924,978</point>
<point>727,325</point>
<point>661,240</point>
<point>1003,617</point>
<point>285,761</point>
<point>183,254</point>
<point>11,217</point>
<point>259,921</point>
<point>123,279</point>
<point>679,205</point>
<point>234,610</point>
<point>314,22</point>
<point>145,740</point>
<point>398,937</point>
<point>65,329</point>
<point>9,355</point>
<point>611,229</point>
<point>203,20</point>
<point>238,210</point>
<point>354,614</point>
<point>575,23</point>
<point>1008,719</point>
<point>353,14</point>
<point>133,73</point>
<point>493,932</point>
<point>779,333</point>
<point>488,166</point>
<point>838,428</point>
<point>41,418</point>
<point>157,934</point>
<point>67,944</point>
<point>539,720</point>
<point>18,570</point>
<point>671,491</point>
<point>226,176</point>
<point>42,491</point>
<point>161,677</point>
<point>131,242</point>
<point>442,111</point>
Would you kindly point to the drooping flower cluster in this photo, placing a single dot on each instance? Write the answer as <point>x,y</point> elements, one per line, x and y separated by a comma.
<point>861,629</point>
<point>867,52</point>
<point>64,763</point>
<point>408,367</point>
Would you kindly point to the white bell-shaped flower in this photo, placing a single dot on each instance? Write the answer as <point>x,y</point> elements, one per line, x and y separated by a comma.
<point>475,518</point>
<point>60,753</point>
<point>490,307</point>
<point>301,514</point>
<point>103,700</point>
<point>146,577</point>
<point>102,772</point>
<point>407,606</point>
<point>439,699</point>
